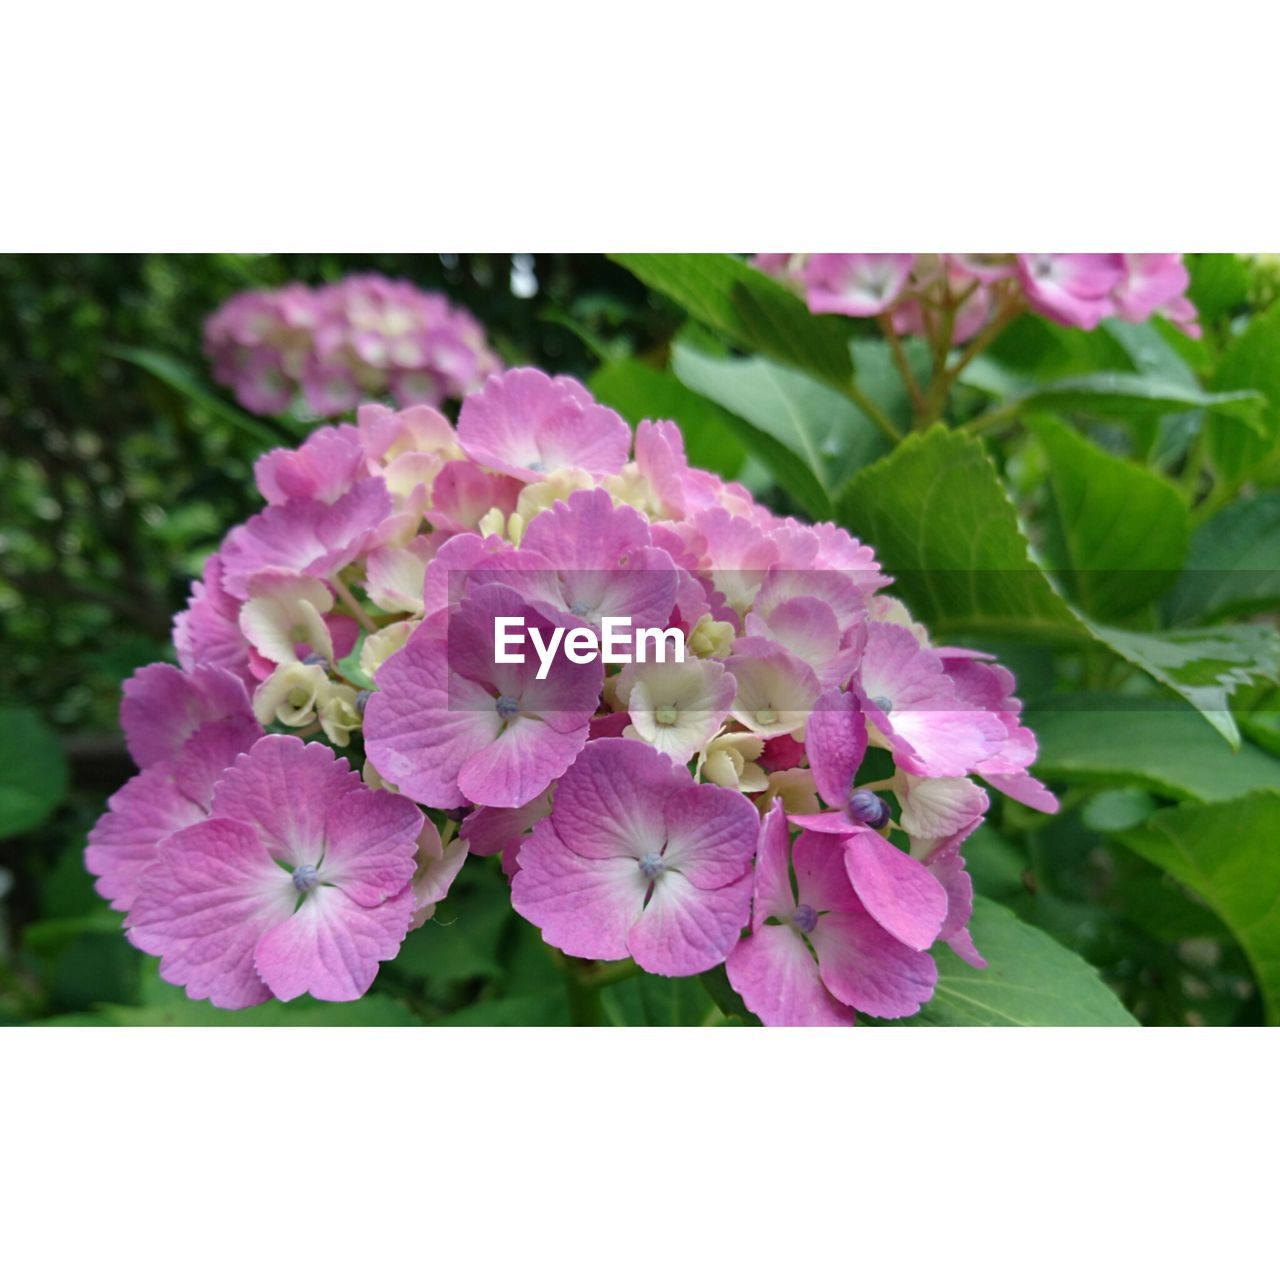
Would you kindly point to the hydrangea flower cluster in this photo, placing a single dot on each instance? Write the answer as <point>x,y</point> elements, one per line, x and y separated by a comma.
<point>914,291</point>
<point>791,800</point>
<point>365,337</point>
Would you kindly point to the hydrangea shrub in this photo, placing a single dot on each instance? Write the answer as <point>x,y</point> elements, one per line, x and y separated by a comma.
<point>325,350</point>
<point>338,739</point>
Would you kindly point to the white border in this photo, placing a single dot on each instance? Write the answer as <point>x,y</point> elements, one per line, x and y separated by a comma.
<point>631,1153</point>
<point>579,127</point>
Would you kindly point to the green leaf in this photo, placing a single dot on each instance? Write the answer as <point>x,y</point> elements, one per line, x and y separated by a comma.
<point>749,308</point>
<point>944,527</point>
<point>1233,567</point>
<point>368,1011</point>
<point>810,437</point>
<point>1226,853</point>
<point>541,1009</point>
<point>1161,746</point>
<point>1115,395</point>
<point>1121,531</point>
<point>33,771</point>
<point>178,377</point>
<point>1219,283</point>
<point>1204,666</point>
<point>649,1001</point>
<point>1252,360</point>
<point>639,391</point>
<point>1030,981</point>
<point>939,518</point>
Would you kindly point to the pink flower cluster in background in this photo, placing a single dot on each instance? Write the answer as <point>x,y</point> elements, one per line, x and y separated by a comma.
<point>333,347</point>
<point>790,801</point>
<point>1074,289</point>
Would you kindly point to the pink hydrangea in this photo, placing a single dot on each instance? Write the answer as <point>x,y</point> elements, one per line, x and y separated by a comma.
<point>973,290</point>
<point>299,882</point>
<point>636,859</point>
<point>814,954</point>
<point>624,795</point>
<point>331,347</point>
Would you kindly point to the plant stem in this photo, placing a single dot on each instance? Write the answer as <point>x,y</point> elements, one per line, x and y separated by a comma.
<point>901,362</point>
<point>873,411</point>
<point>343,592</point>
<point>585,1007</point>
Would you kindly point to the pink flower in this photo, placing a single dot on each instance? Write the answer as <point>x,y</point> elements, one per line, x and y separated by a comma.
<point>990,687</point>
<point>208,630</point>
<point>638,859</point>
<point>305,536</point>
<point>450,725</point>
<point>856,284</point>
<point>324,466</point>
<point>165,797</point>
<point>299,883</point>
<point>1071,288</point>
<point>898,893</point>
<point>944,862</point>
<point>913,707</point>
<point>1151,281</point>
<point>526,424</point>
<point>163,707</point>
<point>599,562</point>
<point>815,955</point>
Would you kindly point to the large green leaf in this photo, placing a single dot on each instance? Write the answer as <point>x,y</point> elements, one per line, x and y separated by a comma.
<point>1227,853</point>
<point>749,308</point>
<point>638,391</point>
<point>1161,746</point>
<point>1252,360</point>
<point>188,384</point>
<point>1120,531</point>
<point>939,518</point>
<point>33,771</point>
<point>1233,567</point>
<point>1030,981</point>
<point>810,437</point>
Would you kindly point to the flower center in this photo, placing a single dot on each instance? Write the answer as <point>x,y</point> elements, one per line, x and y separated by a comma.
<point>885,704</point>
<point>869,808</point>
<point>506,706</point>
<point>651,866</point>
<point>804,918</point>
<point>666,714</point>
<point>766,715</point>
<point>305,877</point>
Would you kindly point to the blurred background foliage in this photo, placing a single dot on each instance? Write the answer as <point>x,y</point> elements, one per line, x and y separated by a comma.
<point>115,485</point>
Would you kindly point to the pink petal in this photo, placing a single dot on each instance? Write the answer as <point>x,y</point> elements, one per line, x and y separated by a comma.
<point>686,930</point>
<point>526,424</point>
<point>777,978</point>
<point>585,906</point>
<point>613,800</point>
<point>202,906</point>
<point>773,895</point>
<point>284,788</point>
<point>520,763</point>
<point>370,843</point>
<point>711,835</point>
<point>836,740</point>
<point>164,706</point>
<point>899,893</point>
<point>865,967</point>
<point>123,841</point>
<point>330,947</point>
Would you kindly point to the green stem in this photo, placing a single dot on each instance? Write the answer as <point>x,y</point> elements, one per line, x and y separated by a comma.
<point>876,414</point>
<point>582,989</point>
<point>900,361</point>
